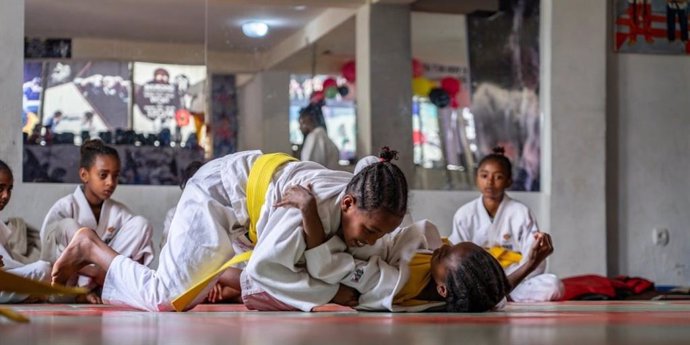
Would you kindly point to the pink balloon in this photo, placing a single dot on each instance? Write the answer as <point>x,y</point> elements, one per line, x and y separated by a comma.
<point>451,85</point>
<point>417,68</point>
<point>328,83</point>
<point>349,71</point>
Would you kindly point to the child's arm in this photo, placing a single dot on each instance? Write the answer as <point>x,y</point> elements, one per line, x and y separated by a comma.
<point>540,250</point>
<point>303,199</point>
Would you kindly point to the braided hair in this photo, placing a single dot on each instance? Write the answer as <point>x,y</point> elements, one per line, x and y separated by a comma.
<point>498,156</point>
<point>381,186</point>
<point>93,148</point>
<point>477,284</point>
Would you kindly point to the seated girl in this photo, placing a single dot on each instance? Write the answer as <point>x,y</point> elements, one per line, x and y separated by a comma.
<point>90,206</point>
<point>506,227</point>
<point>11,260</point>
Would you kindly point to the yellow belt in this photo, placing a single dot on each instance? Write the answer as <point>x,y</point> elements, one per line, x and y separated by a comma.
<point>505,256</point>
<point>259,179</point>
<point>14,283</point>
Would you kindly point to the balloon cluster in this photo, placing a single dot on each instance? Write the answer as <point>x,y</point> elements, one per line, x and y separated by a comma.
<point>441,95</point>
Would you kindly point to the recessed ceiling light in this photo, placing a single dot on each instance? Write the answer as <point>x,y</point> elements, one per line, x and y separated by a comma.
<point>300,7</point>
<point>255,29</point>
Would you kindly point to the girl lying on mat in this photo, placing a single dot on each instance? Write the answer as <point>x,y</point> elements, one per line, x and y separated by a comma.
<point>421,270</point>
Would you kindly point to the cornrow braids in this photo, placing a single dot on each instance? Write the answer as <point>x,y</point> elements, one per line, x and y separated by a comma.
<point>476,285</point>
<point>93,148</point>
<point>498,155</point>
<point>380,186</point>
<point>5,167</point>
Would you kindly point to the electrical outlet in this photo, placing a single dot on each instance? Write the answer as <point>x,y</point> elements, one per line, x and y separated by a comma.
<point>660,236</point>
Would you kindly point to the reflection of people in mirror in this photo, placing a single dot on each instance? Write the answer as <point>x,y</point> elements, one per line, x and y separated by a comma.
<point>317,147</point>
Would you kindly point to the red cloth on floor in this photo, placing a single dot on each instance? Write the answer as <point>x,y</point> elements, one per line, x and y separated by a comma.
<point>591,284</point>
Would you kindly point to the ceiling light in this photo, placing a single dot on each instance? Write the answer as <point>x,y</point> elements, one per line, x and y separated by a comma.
<point>255,29</point>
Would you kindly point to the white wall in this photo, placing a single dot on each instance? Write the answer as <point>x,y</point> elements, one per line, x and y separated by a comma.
<point>652,149</point>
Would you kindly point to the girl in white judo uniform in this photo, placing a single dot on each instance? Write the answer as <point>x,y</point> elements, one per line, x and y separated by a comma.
<point>90,206</point>
<point>210,227</point>
<point>10,260</point>
<point>505,226</point>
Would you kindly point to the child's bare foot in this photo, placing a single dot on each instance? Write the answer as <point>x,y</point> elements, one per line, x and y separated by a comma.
<point>94,272</point>
<point>73,258</point>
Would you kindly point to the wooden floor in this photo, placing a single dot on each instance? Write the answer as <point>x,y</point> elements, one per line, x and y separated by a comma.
<point>582,323</point>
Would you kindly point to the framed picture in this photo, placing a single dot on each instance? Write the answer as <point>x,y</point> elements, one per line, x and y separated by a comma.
<point>651,26</point>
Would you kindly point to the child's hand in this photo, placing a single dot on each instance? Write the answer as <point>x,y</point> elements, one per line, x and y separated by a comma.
<point>299,197</point>
<point>346,296</point>
<point>541,248</point>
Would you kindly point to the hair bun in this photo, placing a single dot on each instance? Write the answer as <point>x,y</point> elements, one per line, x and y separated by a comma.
<point>387,155</point>
<point>498,150</point>
<point>91,144</point>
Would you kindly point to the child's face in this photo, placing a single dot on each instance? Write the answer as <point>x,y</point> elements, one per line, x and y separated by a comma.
<point>6,185</point>
<point>360,228</point>
<point>100,180</point>
<point>492,180</point>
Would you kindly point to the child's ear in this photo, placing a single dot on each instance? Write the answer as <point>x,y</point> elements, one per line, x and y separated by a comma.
<point>83,175</point>
<point>510,183</point>
<point>347,202</point>
<point>442,290</point>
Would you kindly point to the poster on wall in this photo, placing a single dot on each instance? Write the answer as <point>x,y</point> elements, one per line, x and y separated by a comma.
<point>86,96</point>
<point>165,98</point>
<point>32,89</point>
<point>505,88</point>
<point>651,26</point>
<point>224,114</point>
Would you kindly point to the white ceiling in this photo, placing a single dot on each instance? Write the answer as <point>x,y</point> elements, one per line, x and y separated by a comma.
<point>171,21</point>
<point>189,21</point>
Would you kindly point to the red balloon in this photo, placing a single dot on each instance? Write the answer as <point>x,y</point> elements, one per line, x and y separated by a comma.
<point>316,96</point>
<point>349,71</point>
<point>454,103</point>
<point>451,85</point>
<point>328,83</point>
<point>417,68</point>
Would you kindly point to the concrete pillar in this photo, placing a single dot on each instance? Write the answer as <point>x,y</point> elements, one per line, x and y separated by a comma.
<point>574,156</point>
<point>384,82</point>
<point>264,114</point>
<point>11,67</point>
